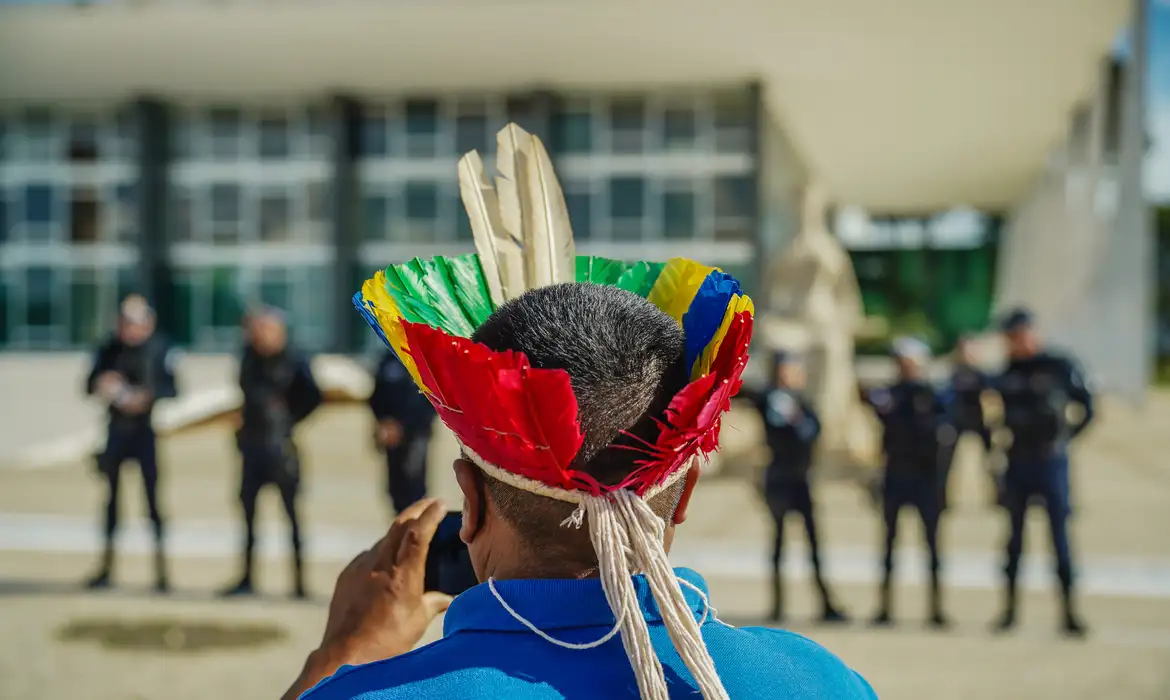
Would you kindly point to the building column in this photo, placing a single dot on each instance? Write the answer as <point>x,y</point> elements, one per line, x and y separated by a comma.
<point>755,210</point>
<point>155,278</point>
<point>345,216</point>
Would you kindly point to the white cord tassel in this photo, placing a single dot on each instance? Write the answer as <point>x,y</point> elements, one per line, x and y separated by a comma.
<point>612,543</point>
<point>645,531</point>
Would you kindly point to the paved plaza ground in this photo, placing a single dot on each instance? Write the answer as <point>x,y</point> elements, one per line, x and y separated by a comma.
<point>59,642</point>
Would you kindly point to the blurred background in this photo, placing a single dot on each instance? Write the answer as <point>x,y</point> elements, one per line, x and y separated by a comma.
<point>215,154</point>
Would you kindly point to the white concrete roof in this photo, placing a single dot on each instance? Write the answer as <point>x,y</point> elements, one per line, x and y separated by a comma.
<point>897,104</point>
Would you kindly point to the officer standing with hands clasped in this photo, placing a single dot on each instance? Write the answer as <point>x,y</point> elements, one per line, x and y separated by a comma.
<point>791,428</point>
<point>916,436</point>
<point>131,371</point>
<point>1038,388</point>
<point>279,392</point>
<point>403,431</point>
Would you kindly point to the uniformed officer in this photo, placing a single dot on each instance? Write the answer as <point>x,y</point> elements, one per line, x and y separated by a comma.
<point>131,371</point>
<point>403,431</point>
<point>791,428</point>
<point>967,387</point>
<point>1038,389</point>
<point>279,392</point>
<point>916,434</point>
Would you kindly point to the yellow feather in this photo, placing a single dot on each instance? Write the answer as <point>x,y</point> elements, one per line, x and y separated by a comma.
<point>676,286</point>
<point>390,319</point>
<point>737,305</point>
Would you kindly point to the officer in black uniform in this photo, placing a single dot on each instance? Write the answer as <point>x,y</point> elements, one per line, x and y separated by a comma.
<point>279,392</point>
<point>791,428</point>
<point>917,432</point>
<point>1038,389</point>
<point>967,387</point>
<point>403,431</point>
<point>131,371</point>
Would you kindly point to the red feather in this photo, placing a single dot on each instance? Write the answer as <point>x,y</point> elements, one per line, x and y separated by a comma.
<point>695,414</point>
<point>524,419</point>
<point>516,417</point>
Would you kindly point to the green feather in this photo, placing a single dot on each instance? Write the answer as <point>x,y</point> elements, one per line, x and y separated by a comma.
<point>426,289</point>
<point>640,277</point>
<point>470,287</point>
<point>599,270</point>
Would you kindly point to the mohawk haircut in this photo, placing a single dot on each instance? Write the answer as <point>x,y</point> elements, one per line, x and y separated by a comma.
<point>626,360</point>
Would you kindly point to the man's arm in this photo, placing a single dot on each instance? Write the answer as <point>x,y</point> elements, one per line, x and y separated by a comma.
<point>306,394</point>
<point>808,426</point>
<point>101,365</point>
<point>1078,391</point>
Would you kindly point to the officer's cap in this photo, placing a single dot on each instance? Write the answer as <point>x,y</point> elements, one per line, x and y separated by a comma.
<point>910,349</point>
<point>1016,319</point>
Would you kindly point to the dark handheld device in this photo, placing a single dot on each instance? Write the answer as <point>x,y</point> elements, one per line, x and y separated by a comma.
<point>449,567</point>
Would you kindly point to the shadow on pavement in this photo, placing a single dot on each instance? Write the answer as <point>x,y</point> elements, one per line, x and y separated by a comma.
<point>10,587</point>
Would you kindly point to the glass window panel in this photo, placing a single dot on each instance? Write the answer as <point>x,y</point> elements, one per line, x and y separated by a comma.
<point>678,128</point>
<point>3,219</point>
<point>125,136</point>
<point>86,324</point>
<point>182,215</point>
<point>734,120</point>
<point>226,226</point>
<point>678,214</point>
<point>183,317</point>
<point>225,299</point>
<point>422,201</point>
<point>524,111</point>
<point>84,217</point>
<point>275,136</point>
<point>375,137</point>
<point>39,141</point>
<point>225,129</point>
<point>318,196</point>
<point>627,122</point>
<point>572,132</point>
<point>126,212</point>
<point>40,204</point>
<point>735,196</point>
<point>627,197</point>
<point>318,124</point>
<point>275,217</point>
<point>274,288</point>
<point>83,141</point>
<point>128,281</point>
<point>376,217</point>
<point>471,133</point>
<point>580,206</point>
<point>422,127</point>
<point>39,284</point>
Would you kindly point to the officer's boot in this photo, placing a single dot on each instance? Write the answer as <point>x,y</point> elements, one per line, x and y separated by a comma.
<point>937,619</point>
<point>883,618</point>
<point>1007,620</point>
<point>777,614</point>
<point>101,578</point>
<point>299,590</point>
<point>244,585</point>
<point>1071,625</point>
<point>162,582</point>
<point>829,613</point>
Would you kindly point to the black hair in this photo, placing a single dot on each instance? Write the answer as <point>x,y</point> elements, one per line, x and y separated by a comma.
<point>626,360</point>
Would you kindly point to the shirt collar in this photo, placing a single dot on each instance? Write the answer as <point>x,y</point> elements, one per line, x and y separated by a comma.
<point>556,604</point>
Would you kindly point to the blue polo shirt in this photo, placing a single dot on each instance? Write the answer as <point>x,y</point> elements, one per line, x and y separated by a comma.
<point>486,654</point>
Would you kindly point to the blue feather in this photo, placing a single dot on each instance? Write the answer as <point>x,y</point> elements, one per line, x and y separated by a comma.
<point>359,303</point>
<point>702,319</point>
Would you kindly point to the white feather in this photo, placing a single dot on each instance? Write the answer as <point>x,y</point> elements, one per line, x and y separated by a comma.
<point>499,255</point>
<point>547,230</point>
<point>509,163</point>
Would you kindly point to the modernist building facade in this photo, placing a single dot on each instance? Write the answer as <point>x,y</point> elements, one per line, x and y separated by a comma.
<point>208,207</point>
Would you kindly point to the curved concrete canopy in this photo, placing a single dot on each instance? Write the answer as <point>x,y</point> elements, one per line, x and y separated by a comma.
<point>899,105</point>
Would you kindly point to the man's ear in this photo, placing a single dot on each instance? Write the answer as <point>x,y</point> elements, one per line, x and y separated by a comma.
<point>684,500</point>
<point>468,477</point>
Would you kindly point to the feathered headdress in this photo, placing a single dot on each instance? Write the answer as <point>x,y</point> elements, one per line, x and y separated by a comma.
<point>519,423</point>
